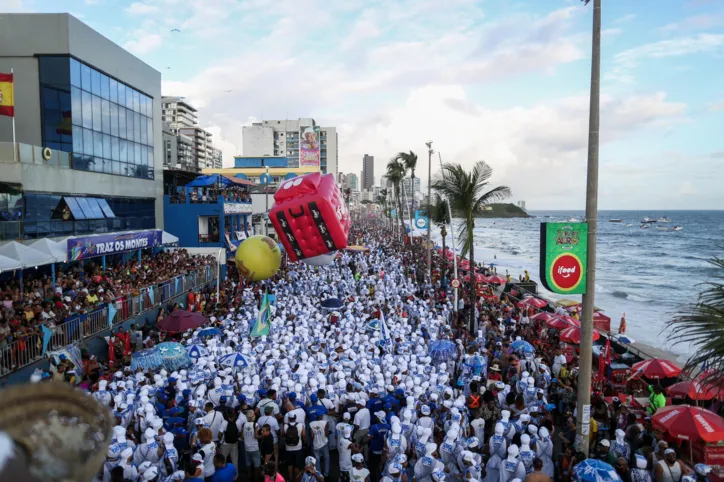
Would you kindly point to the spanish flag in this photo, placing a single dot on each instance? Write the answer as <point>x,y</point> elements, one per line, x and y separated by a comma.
<point>7,99</point>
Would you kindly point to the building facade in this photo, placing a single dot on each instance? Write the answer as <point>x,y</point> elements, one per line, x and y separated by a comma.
<point>178,113</point>
<point>195,149</point>
<point>88,126</point>
<point>411,188</point>
<point>217,158</point>
<point>368,172</point>
<point>353,182</point>
<point>282,138</point>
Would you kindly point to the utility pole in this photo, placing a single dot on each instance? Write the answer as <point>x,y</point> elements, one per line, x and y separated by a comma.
<point>586,347</point>
<point>429,200</point>
<point>265,218</point>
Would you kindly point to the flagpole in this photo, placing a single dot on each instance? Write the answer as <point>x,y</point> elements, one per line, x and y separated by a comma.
<point>15,146</point>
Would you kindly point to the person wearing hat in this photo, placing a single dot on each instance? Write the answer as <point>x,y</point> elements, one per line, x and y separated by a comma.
<point>294,436</point>
<point>671,469</point>
<point>320,431</point>
<point>359,473</point>
<point>310,472</point>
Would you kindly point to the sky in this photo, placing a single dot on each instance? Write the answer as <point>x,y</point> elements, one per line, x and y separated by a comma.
<point>504,81</point>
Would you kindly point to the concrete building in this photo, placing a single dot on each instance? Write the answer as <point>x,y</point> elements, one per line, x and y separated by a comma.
<point>282,137</point>
<point>368,172</point>
<point>88,123</point>
<point>178,113</point>
<point>411,189</point>
<point>217,158</point>
<point>195,145</point>
<point>170,147</point>
<point>201,146</point>
<point>353,182</point>
<point>262,170</point>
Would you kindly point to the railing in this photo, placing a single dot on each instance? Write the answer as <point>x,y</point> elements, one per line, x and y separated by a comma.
<point>22,352</point>
<point>207,199</point>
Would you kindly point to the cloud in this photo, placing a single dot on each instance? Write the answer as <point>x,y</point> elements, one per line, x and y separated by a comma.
<point>145,43</point>
<point>138,8</point>
<point>625,62</point>
<point>625,18</point>
<point>14,6</point>
<point>698,22</point>
<point>717,106</point>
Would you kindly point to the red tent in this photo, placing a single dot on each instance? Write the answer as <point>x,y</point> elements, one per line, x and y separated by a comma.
<point>180,321</point>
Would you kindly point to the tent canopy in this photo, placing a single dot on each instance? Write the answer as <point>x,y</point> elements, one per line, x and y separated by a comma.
<point>8,264</point>
<point>218,179</point>
<point>56,249</point>
<point>167,238</point>
<point>26,256</point>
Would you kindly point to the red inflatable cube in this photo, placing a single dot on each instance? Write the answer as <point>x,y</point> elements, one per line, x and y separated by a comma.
<point>310,216</point>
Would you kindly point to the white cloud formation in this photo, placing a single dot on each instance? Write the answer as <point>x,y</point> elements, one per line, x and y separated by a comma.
<point>138,8</point>
<point>145,43</point>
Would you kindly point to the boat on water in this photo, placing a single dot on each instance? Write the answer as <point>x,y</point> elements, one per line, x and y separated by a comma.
<point>645,226</point>
<point>663,220</point>
<point>677,228</point>
<point>648,220</point>
<point>628,225</point>
<point>573,220</point>
<point>615,220</point>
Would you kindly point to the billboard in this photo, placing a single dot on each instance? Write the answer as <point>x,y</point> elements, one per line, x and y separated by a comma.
<point>309,146</point>
<point>563,248</point>
<point>84,247</point>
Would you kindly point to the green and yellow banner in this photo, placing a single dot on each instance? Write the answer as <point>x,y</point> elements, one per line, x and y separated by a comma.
<point>563,249</point>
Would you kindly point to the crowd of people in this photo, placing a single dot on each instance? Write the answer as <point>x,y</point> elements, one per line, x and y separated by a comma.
<point>80,290</point>
<point>393,385</point>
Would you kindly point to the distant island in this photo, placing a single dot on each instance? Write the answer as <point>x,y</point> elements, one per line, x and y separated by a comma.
<point>503,210</point>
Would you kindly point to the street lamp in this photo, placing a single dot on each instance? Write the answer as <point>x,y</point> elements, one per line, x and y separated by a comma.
<point>430,151</point>
<point>443,233</point>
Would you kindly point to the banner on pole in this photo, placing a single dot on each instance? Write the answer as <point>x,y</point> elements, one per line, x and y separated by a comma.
<point>85,247</point>
<point>563,251</point>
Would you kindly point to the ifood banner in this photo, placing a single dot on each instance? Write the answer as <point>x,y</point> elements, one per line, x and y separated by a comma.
<point>563,248</point>
<point>91,246</point>
<point>309,150</point>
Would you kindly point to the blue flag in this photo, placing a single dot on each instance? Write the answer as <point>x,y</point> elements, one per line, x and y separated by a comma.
<point>261,327</point>
<point>385,332</point>
<point>47,335</point>
<point>112,310</point>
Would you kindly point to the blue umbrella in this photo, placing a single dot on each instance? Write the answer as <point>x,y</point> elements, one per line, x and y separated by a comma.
<point>149,359</point>
<point>592,470</point>
<point>332,304</point>
<point>374,325</point>
<point>522,346</point>
<point>174,355</point>
<point>207,332</point>
<point>234,360</point>
<point>196,351</point>
<point>442,351</point>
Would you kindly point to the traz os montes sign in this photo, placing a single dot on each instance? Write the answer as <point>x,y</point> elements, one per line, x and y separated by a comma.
<point>563,257</point>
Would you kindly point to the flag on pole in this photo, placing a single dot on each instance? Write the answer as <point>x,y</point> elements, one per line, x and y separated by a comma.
<point>384,331</point>
<point>7,96</point>
<point>261,327</point>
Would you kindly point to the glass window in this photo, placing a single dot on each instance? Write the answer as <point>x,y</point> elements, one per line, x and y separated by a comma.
<point>107,146</point>
<point>137,127</point>
<point>115,150</point>
<point>75,73</point>
<point>129,98</point>
<point>136,101</point>
<point>122,123</point>
<point>85,207</point>
<point>113,85</point>
<point>50,98</point>
<point>105,87</point>
<point>97,145</point>
<point>117,167</point>
<point>95,82</point>
<point>87,101</point>
<point>129,125</point>
<point>121,94</point>
<point>106,112</point>
<point>144,130</point>
<point>137,154</point>
<point>88,142</point>
<point>77,106</point>
<point>131,153</point>
<point>114,120</point>
<point>97,118</point>
<point>123,151</point>
<point>85,77</point>
<point>142,104</point>
<point>78,139</point>
<point>149,131</point>
<point>54,71</point>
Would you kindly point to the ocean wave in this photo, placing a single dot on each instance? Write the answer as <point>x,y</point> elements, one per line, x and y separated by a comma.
<point>619,294</point>
<point>629,296</point>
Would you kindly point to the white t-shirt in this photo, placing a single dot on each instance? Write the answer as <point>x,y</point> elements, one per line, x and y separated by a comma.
<point>318,432</point>
<point>362,419</point>
<point>345,455</point>
<point>209,451</point>
<point>214,420</point>
<point>558,362</point>
<point>358,475</point>
<point>299,412</point>
<point>272,422</point>
<point>267,402</point>
<point>251,444</point>
<point>300,428</point>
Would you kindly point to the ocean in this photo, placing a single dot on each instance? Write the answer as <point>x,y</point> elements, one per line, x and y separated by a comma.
<point>648,274</point>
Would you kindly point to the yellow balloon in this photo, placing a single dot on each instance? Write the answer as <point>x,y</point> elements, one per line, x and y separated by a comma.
<point>258,258</point>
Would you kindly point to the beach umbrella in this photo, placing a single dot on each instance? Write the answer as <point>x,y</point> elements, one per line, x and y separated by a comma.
<point>464,265</point>
<point>196,351</point>
<point>544,316</point>
<point>479,278</point>
<point>497,280</point>
<point>535,302</point>
<point>592,470</point>
<point>572,334</point>
<point>180,321</point>
<point>522,346</point>
<point>174,355</point>
<point>656,368</point>
<point>693,389</point>
<point>332,304</point>
<point>442,351</point>
<point>149,359</point>
<point>208,332</point>
<point>557,323</point>
<point>689,423</point>
<point>234,360</point>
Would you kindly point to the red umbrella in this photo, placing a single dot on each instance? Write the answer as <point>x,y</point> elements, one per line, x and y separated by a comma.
<point>497,280</point>
<point>180,321</point>
<point>572,334</point>
<point>535,302</point>
<point>557,323</point>
<point>479,278</point>
<point>689,423</point>
<point>543,316</point>
<point>693,389</point>
<point>656,368</point>
<point>464,265</point>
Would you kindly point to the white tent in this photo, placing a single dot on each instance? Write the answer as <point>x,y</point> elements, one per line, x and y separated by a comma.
<point>27,257</point>
<point>167,238</point>
<point>8,264</point>
<point>55,249</point>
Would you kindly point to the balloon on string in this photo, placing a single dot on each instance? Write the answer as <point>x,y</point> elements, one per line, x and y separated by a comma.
<point>321,260</point>
<point>258,258</point>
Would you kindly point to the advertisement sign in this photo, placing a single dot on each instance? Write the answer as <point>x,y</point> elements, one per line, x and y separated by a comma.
<point>420,220</point>
<point>90,246</point>
<point>563,248</point>
<point>309,146</point>
<point>237,208</point>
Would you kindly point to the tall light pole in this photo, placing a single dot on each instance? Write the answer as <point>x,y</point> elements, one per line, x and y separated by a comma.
<point>265,218</point>
<point>586,347</point>
<point>430,151</point>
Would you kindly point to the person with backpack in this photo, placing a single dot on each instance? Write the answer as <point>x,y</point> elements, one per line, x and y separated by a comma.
<point>251,434</point>
<point>229,436</point>
<point>294,437</point>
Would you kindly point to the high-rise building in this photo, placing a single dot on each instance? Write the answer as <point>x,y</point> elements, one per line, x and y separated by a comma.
<point>353,182</point>
<point>194,144</point>
<point>88,155</point>
<point>178,113</point>
<point>283,138</point>
<point>407,185</point>
<point>217,158</point>
<point>368,172</point>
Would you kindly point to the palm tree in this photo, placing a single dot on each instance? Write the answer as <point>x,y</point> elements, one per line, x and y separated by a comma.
<point>701,324</point>
<point>382,200</point>
<point>409,160</point>
<point>439,215</point>
<point>467,192</point>
<point>395,173</point>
